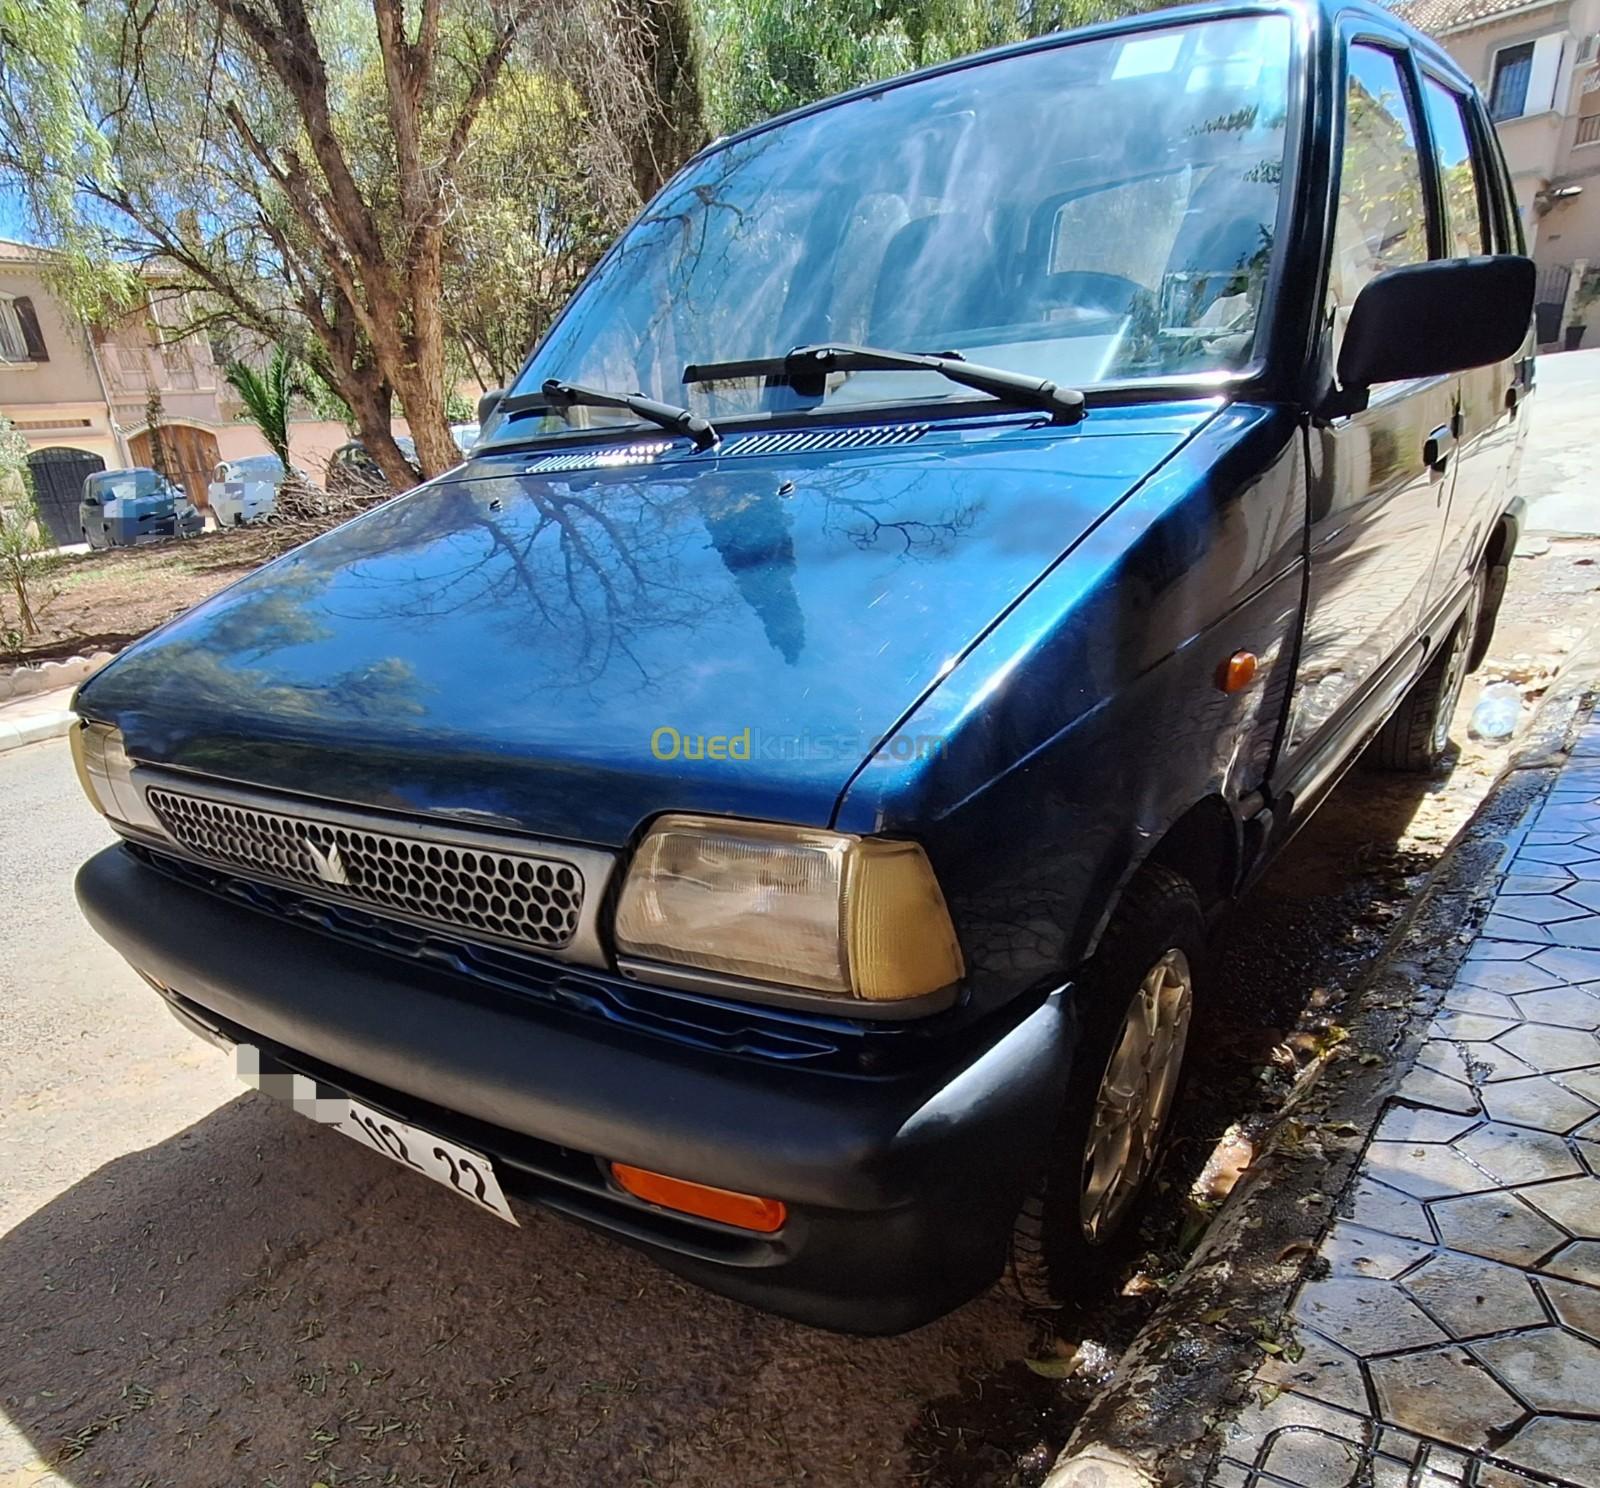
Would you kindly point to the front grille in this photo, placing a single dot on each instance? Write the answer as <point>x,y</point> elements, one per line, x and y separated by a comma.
<point>528,899</point>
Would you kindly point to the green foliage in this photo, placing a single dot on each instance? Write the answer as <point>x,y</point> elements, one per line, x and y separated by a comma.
<point>765,56</point>
<point>268,397</point>
<point>25,570</point>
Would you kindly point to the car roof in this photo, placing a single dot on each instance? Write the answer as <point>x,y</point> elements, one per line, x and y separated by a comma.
<point>1319,15</point>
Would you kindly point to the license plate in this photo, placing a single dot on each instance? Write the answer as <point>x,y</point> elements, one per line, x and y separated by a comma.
<point>459,1168</point>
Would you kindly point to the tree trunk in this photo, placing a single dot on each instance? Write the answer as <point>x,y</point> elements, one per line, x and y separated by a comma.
<point>674,126</point>
<point>373,408</point>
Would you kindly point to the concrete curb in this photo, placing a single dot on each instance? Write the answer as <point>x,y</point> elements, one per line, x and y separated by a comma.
<point>1184,1372</point>
<point>47,676</point>
<point>35,728</point>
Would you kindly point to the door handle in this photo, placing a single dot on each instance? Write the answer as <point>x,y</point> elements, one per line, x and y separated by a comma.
<point>1437,448</point>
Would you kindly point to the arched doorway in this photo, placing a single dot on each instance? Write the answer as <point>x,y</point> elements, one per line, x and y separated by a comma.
<point>188,456</point>
<point>58,474</point>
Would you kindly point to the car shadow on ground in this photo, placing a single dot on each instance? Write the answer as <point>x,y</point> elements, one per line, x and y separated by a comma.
<point>258,1301</point>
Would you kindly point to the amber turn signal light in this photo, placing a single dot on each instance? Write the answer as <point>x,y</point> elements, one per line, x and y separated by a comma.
<point>1237,672</point>
<point>747,1211</point>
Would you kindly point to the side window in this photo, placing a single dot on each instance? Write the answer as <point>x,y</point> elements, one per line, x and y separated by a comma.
<point>1381,221</point>
<point>1459,176</point>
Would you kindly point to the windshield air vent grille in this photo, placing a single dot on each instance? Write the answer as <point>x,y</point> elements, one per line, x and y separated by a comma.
<point>803,441</point>
<point>600,459</point>
<point>481,888</point>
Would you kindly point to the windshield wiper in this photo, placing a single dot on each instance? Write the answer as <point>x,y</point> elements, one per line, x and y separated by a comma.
<point>806,367</point>
<point>557,396</point>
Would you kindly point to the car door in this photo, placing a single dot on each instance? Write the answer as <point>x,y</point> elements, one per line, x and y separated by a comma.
<point>92,514</point>
<point>1376,504</point>
<point>1486,420</point>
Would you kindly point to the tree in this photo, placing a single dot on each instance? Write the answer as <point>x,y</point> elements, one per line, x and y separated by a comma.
<point>25,565</point>
<point>303,169</point>
<point>765,56</point>
<point>268,398</point>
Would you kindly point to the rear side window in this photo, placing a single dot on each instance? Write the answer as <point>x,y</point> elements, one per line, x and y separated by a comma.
<point>1381,221</point>
<point>1459,176</point>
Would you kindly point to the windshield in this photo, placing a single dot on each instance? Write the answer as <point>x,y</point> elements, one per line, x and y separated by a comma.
<point>257,468</point>
<point>125,485</point>
<point>1102,210</point>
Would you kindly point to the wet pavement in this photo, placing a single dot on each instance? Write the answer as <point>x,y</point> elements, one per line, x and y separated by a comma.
<point>1450,1331</point>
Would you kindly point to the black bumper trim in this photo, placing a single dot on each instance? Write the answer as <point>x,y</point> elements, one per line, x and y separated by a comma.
<point>906,1186</point>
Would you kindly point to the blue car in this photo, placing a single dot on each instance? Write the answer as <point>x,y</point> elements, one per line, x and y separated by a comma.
<point>123,507</point>
<point>768,803</point>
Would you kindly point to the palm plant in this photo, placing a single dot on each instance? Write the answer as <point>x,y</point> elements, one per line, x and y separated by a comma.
<point>266,396</point>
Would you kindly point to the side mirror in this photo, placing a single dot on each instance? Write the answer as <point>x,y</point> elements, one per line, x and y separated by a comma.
<point>1434,318</point>
<point>488,403</point>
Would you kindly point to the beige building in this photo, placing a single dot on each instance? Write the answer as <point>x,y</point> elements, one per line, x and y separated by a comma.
<point>83,400</point>
<point>1539,66</point>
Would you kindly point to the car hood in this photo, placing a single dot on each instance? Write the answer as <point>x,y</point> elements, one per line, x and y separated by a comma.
<point>563,643</point>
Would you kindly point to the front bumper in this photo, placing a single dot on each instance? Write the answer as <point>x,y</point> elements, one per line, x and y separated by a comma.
<point>901,1189</point>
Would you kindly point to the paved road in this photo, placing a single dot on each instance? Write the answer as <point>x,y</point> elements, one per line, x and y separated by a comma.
<point>1561,469</point>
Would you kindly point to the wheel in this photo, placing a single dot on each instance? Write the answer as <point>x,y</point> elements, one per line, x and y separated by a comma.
<point>1416,736</point>
<point>1136,998</point>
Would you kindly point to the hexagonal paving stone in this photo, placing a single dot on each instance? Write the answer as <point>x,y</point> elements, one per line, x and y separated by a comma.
<point>1425,1170</point>
<point>1495,1225</point>
<point>1472,1297</point>
<point>1562,1448</point>
<point>1559,855</point>
<point>1506,976</point>
<point>1573,1203</point>
<point>1580,1261</point>
<point>1567,1007</point>
<point>1323,1371</point>
<point>1586,1082</point>
<point>1429,1088</point>
<point>1552,1370</point>
<point>1367,1316</point>
<point>1514,1154</point>
<point>1538,909</point>
<point>1410,1124</point>
<point>1577,1306</point>
<point>1465,999</point>
<point>1445,1058</point>
<point>1381,1208</point>
<point>1549,882</point>
<point>1551,1049</point>
<point>1581,891</point>
<point>1444,1394</point>
<point>1487,1063</point>
<point>1568,966</point>
<point>1504,927</point>
<point>1354,1250</point>
<point>1537,1101</point>
<point>1469,1028</point>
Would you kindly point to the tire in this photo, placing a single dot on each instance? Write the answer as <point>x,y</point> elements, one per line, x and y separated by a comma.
<point>1416,736</point>
<point>1074,1227</point>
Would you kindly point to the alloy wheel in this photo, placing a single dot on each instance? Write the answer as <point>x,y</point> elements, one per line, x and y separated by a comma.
<point>1135,1095</point>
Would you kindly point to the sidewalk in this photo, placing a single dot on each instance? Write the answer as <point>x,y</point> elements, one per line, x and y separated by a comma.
<point>1450,1334</point>
<point>27,720</point>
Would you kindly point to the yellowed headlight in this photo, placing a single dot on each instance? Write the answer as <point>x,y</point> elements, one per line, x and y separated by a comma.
<point>822,912</point>
<point>106,774</point>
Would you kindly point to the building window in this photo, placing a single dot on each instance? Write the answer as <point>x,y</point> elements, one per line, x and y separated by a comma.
<point>13,345</point>
<point>1524,77</point>
<point>20,337</point>
<point>1508,94</point>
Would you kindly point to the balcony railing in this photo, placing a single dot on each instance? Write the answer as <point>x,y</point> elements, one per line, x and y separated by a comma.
<point>1588,130</point>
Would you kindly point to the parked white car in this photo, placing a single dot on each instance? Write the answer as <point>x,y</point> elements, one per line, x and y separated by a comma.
<point>245,491</point>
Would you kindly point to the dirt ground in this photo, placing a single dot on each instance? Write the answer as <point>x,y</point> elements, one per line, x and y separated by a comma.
<point>198,1287</point>
<point>103,600</point>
